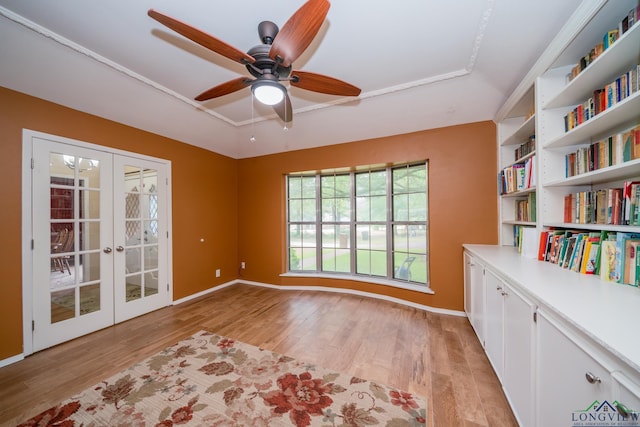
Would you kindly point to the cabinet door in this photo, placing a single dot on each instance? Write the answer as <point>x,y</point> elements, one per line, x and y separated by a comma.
<point>494,321</point>
<point>474,294</point>
<point>571,382</point>
<point>626,399</point>
<point>519,348</point>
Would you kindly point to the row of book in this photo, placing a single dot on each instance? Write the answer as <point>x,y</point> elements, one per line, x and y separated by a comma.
<point>617,206</point>
<point>604,98</point>
<point>611,255</point>
<point>608,39</point>
<point>517,177</point>
<point>613,150</point>
<point>526,208</point>
<point>525,148</point>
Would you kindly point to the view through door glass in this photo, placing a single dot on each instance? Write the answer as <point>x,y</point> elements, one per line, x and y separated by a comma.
<point>74,279</point>
<point>141,228</point>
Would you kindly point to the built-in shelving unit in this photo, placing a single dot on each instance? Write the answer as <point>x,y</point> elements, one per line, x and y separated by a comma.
<point>557,338</point>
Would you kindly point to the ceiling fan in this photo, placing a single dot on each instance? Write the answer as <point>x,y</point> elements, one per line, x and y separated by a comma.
<point>271,62</point>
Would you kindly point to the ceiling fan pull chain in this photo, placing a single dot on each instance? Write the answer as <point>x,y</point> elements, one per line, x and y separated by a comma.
<point>253,138</point>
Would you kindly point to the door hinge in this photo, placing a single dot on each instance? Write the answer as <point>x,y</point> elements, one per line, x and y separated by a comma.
<point>535,317</point>
<point>167,287</point>
<point>33,325</point>
<point>33,244</point>
<point>33,163</point>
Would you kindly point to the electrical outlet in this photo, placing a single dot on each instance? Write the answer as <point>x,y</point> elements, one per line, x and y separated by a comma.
<point>243,265</point>
<point>218,272</point>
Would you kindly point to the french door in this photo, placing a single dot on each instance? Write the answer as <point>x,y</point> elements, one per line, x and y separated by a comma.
<point>100,238</point>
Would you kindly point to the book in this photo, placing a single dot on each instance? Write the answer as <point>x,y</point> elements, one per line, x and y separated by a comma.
<point>607,260</point>
<point>591,257</point>
<point>628,200</point>
<point>571,243</point>
<point>631,257</point>
<point>621,239</point>
<point>604,235</point>
<point>542,245</point>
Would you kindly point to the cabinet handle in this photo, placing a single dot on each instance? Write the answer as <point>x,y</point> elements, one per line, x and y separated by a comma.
<point>498,288</point>
<point>504,294</point>
<point>472,264</point>
<point>622,410</point>
<point>592,379</point>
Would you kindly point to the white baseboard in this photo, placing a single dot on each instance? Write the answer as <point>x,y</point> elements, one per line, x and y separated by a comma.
<point>205,292</point>
<point>325,289</point>
<point>10,360</point>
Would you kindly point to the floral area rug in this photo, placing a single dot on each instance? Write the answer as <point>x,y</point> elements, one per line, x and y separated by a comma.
<point>209,380</point>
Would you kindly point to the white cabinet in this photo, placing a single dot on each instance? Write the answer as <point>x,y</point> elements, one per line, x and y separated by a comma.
<point>509,343</point>
<point>519,350</point>
<point>494,318</point>
<point>474,294</point>
<point>569,380</point>
<point>626,397</point>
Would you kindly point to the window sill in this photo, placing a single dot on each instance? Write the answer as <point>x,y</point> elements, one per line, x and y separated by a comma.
<point>395,284</point>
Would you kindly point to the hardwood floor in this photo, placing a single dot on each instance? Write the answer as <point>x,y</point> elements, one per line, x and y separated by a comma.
<point>435,355</point>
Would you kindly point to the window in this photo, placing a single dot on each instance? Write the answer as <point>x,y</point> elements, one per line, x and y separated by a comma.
<point>369,223</point>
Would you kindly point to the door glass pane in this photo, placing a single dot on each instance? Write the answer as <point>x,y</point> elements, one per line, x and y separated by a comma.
<point>133,260</point>
<point>151,283</point>
<point>132,229</point>
<point>150,257</point>
<point>89,299</point>
<point>134,287</point>
<point>89,235</point>
<point>91,209</point>
<point>88,172</point>
<point>63,305</point>
<point>90,271</point>
<point>132,205</point>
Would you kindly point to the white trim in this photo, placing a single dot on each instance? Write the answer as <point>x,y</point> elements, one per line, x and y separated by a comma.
<point>205,292</point>
<point>27,235</point>
<point>27,220</point>
<point>324,289</point>
<point>425,289</point>
<point>10,360</point>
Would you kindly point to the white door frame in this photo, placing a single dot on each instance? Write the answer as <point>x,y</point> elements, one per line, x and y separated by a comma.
<point>27,222</point>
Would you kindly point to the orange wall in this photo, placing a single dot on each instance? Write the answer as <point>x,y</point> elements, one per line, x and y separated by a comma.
<point>204,200</point>
<point>462,204</point>
<point>237,206</point>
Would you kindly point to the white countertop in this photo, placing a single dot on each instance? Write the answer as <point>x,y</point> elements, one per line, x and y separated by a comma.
<point>609,313</point>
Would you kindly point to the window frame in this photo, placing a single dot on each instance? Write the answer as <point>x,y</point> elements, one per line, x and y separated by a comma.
<point>390,223</point>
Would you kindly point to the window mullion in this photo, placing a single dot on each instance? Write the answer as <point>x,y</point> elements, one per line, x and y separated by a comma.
<point>389,223</point>
<point>318,224</point>
<point>352,222</point>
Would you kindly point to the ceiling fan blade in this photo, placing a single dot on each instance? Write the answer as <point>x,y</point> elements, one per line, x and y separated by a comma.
<point>323,84</point>
<point>298,32</point>
<point>284,110</point>
<point>224,88</point>
<point>202,38</point>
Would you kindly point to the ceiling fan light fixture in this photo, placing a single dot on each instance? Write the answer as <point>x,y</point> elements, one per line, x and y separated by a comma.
<point>268,92</point>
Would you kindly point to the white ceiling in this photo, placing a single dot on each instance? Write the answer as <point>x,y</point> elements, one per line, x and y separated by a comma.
<point>420,64</point>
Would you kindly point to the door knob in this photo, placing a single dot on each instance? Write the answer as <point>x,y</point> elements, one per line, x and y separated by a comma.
<point>119,248</point>
<point>107,250</point>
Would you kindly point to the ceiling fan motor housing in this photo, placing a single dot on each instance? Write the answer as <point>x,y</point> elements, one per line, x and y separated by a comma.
<point>264,64</point>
